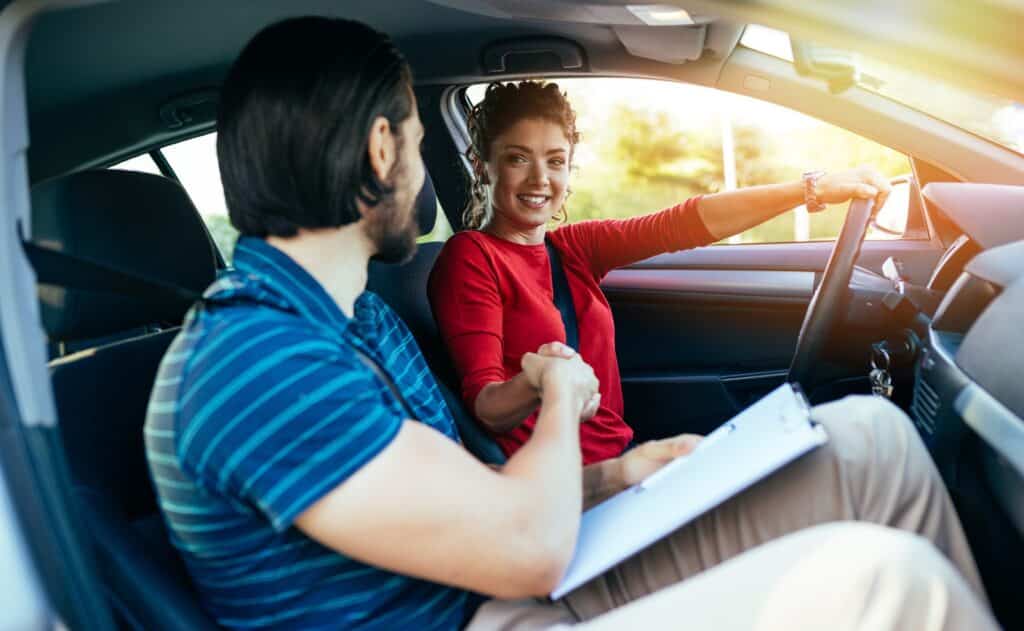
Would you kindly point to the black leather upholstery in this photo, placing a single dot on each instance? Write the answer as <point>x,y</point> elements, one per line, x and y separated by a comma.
<point>135,222</point>
<point>101,397</point>
<point>404,288</point>
<point>426,205</point>
<point>144,224</point>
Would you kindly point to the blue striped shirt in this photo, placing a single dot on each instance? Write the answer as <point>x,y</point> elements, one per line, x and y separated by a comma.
<point>260,408</point>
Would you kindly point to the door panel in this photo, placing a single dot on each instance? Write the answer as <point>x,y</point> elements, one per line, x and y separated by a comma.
<point>718,282</point>
<point>703,333</point>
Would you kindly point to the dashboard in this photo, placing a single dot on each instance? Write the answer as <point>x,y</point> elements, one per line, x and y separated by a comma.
<point>968,388</point>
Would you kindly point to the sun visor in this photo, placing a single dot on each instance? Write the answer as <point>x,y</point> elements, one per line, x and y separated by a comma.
<point>668,44</point>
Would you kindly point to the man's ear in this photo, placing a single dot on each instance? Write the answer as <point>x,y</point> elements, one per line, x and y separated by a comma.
<point>381,148</point>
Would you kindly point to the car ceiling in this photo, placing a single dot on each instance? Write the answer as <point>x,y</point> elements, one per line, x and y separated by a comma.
<point>97,75</point>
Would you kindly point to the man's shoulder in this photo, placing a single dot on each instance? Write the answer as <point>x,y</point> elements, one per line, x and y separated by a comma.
<point>253,325</point>
<point>246,369</point>
<point>372,311</point>
<point>252,348</point>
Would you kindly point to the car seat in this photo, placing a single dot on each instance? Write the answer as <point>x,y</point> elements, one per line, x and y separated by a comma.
<point>144,225</point>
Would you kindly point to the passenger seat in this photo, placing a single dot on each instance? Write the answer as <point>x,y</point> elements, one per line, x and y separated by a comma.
<point>144,225</point>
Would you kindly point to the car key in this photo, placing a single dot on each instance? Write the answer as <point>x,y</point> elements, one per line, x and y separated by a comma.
<point>880,377</point>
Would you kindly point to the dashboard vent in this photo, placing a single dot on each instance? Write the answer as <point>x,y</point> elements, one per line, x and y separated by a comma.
<point>924,407</point>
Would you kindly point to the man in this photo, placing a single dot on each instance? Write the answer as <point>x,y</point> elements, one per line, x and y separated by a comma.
<point>303,492</point>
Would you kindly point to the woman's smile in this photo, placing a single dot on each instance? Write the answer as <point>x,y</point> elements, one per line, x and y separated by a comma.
<point>535,202</point>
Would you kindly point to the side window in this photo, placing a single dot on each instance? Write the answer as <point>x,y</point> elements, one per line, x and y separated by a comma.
<point>647,145</point>
<point>194,161</point>
<point>143,163</point>
<point>441,231</point>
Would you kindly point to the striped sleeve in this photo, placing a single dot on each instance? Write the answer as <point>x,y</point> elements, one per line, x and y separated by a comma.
<point>280,429</point>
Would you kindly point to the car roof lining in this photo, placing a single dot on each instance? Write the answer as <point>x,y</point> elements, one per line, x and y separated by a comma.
<point>101,105</point>
<point>103,98</point>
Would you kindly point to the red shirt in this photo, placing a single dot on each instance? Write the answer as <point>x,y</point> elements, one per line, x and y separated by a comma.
<point>493,301</point>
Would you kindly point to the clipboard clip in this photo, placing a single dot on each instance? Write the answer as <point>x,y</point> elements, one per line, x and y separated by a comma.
<point>794,416</point>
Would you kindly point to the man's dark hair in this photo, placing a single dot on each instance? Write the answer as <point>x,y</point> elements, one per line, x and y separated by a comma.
<point>294,123</point>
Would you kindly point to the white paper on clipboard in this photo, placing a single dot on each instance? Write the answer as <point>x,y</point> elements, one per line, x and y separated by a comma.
<point>755,443</point>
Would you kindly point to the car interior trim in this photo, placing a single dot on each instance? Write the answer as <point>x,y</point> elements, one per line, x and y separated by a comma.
<point>727,282</point>
<point>994,422</point>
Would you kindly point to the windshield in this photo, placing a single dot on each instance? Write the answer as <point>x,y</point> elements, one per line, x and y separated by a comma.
<point>998,119</point>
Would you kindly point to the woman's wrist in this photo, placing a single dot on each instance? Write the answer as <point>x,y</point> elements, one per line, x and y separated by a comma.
<point>503,405</point>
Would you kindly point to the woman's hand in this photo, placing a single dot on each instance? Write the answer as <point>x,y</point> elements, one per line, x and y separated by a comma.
<point>645,459</point>
<point>564,351</point>
<point>862,183</point>
<point>561,375</point>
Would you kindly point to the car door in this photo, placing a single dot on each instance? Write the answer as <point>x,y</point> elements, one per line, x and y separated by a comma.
<point>703,333</point>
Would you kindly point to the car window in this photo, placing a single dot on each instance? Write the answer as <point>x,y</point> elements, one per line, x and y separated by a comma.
<point>194,161</point>
<point>143,163</point>
<point>647,145</point>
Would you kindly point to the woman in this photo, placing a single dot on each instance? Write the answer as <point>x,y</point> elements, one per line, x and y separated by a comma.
<point>491,287</point>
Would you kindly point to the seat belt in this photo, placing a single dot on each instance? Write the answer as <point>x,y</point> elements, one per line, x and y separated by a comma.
<point>562,296</point>
<point>372,364</point>
<point>74,272</point>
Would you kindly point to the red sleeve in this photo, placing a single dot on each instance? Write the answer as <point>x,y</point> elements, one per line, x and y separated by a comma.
<point>463,291</point>
<point>610,243</point>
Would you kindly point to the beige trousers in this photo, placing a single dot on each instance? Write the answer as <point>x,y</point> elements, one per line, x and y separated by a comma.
<point>764,559</point>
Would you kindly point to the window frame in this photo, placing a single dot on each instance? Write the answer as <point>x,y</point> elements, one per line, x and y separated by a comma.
<point>455,105</point>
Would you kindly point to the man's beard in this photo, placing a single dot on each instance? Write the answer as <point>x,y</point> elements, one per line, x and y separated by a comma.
<point>394,230</point>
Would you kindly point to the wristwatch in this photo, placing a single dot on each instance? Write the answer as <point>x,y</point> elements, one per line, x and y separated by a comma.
<point>811,201</point>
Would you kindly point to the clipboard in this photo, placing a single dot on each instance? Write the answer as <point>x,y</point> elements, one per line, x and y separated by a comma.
<point>755,443</point>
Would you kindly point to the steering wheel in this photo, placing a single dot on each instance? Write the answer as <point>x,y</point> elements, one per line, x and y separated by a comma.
<point>828,303</point>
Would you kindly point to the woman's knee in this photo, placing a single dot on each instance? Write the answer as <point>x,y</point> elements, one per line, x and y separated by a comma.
<point>869,430</point>
<point>878,413</point>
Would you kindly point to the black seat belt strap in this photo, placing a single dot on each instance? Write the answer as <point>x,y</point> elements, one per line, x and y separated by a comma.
<point>383,376</point>
<point>74,272</point>
<point>562,298</point>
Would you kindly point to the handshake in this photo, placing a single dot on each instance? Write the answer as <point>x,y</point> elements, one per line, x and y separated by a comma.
<point>557,371</point>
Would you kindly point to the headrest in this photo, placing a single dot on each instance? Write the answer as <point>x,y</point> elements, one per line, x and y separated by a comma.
<point>136,223</point>
<point>426,205</point>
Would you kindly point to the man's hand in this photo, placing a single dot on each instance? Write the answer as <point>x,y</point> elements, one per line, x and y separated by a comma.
<point>563,351</point>
<point>557,349</point>
<point>645,459</point>
<point>561,376</point>
<point>862,183</point>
